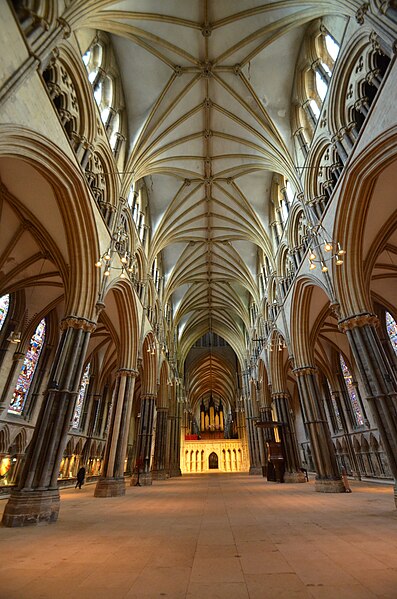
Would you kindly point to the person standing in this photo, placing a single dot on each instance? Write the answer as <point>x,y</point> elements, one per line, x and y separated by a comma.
<point>80,477</point>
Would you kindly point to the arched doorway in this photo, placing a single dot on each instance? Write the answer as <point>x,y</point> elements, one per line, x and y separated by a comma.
<point>213,461</point>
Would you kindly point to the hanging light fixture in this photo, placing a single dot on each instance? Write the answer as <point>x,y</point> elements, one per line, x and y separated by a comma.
<point>320,239</point>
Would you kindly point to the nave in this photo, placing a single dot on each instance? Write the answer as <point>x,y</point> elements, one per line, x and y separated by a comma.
<point>209,536</point>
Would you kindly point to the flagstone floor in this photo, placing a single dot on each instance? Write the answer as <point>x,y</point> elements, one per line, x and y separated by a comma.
<point>226,536</point>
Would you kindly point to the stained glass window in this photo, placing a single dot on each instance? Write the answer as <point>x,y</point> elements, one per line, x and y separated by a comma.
<point>352,392</point>
<point>335,408</point>
<point>4,304</point>
<point>27,371</point>
<point>81,397</point>
<point>391,326</point>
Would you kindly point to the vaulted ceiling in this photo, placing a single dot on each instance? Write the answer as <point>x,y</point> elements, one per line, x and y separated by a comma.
<point>207,85</point>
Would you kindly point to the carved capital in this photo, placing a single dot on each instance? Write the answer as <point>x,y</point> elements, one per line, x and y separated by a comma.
<point>304,370</point>
<point>280,395</point>
<point>129,372</point>
<point>358,320</point>
<point>149,397</point>
<point>74,322</point>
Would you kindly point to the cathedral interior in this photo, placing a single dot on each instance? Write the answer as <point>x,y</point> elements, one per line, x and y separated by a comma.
<point>198,252</point>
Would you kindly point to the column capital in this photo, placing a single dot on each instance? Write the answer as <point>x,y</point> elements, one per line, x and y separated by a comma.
<point>77,322</point>
<point>281,395</point>
<point>129,372</point>
<point>303,370</point>
<point>149,396</point>
<point>358,320</point>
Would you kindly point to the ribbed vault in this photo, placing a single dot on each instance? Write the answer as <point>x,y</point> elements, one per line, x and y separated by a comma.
<point>207,85</point>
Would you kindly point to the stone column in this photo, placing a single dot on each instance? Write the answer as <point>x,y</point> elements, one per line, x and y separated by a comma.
<point>328,479</point>
<point>145,438</point>
<point>378,378</point>
<point>293,472</point>
<point>175,443</point>
<point>265,415</point>
<point>111,482</point>
<point>36,499</point>
<point>253,441</point>
<point>160,450</point>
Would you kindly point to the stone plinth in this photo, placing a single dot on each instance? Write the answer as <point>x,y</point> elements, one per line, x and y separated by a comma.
<point>28,508</point>
<point>145,479</point>
<point>326,485</point>
<point>294,477</point>
<point>175,472</point>
<point>110,487</point>
<point>255,471</point>
<point>160,475</point>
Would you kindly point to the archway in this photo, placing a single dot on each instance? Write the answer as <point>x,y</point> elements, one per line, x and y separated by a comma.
<point>213,461</point>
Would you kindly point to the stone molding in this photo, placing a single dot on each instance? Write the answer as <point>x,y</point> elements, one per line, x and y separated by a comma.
<point>303,370</point>
<point>358,320</point>
<point>281,395</point>
<point>76,322</point>
<point>128,372</point>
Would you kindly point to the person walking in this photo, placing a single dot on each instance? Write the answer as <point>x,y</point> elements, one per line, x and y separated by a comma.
<point>80,477</point>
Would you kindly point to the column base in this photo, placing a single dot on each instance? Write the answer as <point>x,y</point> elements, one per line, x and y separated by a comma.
<point>160,475</point>
<point>31,508</point>
<point>255,471</point>
<point>326,485</point>
<point>175,472</point>
<point>110,487</point>
<point>146,479</point>
<point>294,477</point>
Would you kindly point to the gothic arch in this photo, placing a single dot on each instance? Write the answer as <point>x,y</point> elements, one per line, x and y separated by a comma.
<point>74,207</point>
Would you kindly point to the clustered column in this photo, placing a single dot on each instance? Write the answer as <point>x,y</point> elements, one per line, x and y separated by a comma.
<point>160,449</point>
<point>293,472</point>
<point>328,479</point>
<point>111,483</point>
<point>378,378</point>
<point>36,499</point>
<point>253,439</point>
<point>145,438</point>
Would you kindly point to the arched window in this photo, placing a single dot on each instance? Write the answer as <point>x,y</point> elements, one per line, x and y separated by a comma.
<point>28,369</point>
<point>315,109</point>
<point>351,391</point>
<point>332,47</point>
<point>103,89</point>
<point>321,86</point>
<point>391,327</point>
<point>81,397</point>
<point>4,305</point>
<point>93,61</point>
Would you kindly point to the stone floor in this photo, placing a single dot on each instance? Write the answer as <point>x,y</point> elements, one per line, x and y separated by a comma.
<point>208,536</point>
